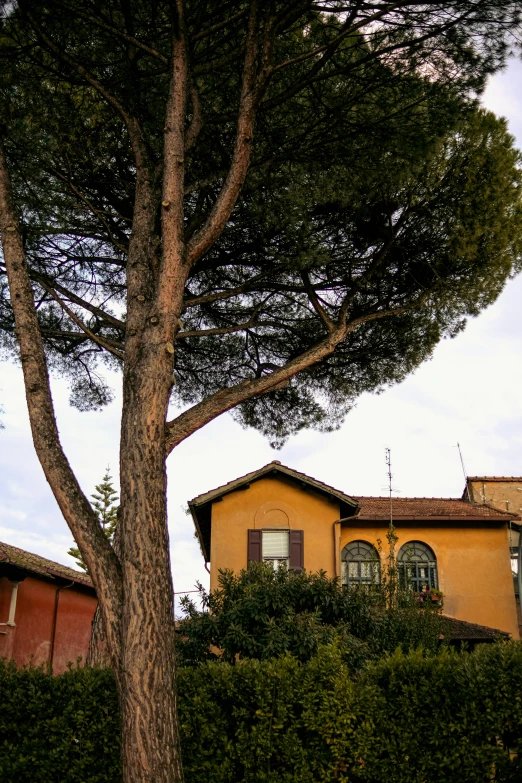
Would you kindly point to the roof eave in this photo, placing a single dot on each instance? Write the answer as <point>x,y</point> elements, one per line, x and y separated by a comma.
<point>193,512</point>
<point>432,518</point>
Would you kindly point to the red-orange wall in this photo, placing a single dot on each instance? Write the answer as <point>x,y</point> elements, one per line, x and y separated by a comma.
<point>31,637</point>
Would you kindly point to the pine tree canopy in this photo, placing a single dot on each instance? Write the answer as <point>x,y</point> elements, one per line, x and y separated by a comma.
<point>379,199</point>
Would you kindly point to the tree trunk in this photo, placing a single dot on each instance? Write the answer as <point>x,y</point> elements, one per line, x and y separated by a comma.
<point>98,652</point>
<point>151,748</point>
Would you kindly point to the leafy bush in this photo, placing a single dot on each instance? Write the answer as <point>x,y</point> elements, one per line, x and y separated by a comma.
<point>261,613</point>
<point>408,719</point>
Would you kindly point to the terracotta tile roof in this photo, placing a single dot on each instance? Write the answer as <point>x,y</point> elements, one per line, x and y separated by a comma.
<point>273,467</point>
<point>40,565</point>
<point>517,479</point>
<point>460,630</point>
<point>422,508</point>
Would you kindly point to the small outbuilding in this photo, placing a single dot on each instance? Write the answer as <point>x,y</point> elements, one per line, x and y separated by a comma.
<point>46,610</point>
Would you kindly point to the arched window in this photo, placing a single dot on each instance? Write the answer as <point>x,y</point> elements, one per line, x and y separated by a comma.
<point>417,566</point>
<point>360,564</point>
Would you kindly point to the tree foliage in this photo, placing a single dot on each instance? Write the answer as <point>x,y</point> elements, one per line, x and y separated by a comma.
<point>261,613</point>
<point>267,207</point>
<point>106,507</point>
<point>377,193</point>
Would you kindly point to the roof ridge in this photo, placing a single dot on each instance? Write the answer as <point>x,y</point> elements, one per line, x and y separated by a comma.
<point>414,497</point>
<point>494,478</point>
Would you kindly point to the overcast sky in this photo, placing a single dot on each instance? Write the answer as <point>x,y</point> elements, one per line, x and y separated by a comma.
<point>469,392</point>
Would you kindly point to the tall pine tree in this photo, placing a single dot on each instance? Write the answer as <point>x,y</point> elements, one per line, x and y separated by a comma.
<point>105,503</point>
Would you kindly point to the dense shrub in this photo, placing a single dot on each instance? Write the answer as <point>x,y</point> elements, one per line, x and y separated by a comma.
<point>62,729</point>
<point>449,718</point>
<point>408,718</point>
<point>261,613</point>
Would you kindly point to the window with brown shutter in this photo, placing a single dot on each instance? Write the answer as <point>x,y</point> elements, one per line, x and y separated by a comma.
<point>281,548</point>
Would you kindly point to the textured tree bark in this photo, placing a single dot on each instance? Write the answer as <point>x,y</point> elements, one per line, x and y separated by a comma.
<point>150,739</point>
<point>98,652</point>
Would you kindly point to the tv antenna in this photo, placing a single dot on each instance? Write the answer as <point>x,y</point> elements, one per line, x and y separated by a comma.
<point>464,471</point>
<point>390,476</point>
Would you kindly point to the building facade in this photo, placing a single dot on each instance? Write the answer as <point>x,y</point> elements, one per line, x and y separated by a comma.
<point>503,493</point>
<point>283,516</point>
<point>46,610</point>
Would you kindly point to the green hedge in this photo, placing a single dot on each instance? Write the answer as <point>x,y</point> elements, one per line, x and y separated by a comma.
<point>449,718</point>
<point>62,729</point>
<point>410,718</point>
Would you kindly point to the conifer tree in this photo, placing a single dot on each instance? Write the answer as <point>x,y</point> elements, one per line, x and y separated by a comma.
<point>105,504</point>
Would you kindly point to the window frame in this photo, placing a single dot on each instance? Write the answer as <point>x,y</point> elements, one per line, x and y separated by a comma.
<point>374,561</point>
<point>275,558</point>
<point>408,567</point>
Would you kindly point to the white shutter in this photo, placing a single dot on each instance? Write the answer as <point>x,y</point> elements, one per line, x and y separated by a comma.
<point>275,544</point>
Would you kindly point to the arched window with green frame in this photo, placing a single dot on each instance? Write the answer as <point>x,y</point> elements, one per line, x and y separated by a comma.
<point>360,564</point>
<point>417,567</point>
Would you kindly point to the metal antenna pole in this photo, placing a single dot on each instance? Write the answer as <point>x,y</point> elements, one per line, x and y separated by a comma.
<point>388,464</point>
<point>464,471</point>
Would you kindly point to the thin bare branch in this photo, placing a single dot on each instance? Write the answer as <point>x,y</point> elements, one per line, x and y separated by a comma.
<point>47,283</point>
<point>219,26</point>
<point>109,346</point>
<point>221,329</point>
<point>222,296</point>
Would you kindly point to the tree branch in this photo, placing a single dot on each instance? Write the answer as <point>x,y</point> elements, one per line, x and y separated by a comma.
<point>95,338</point>
<point>251,88</point>
<point>210,408</point>
<point>219,26</point>
<point>312,296</point>
<point>222,329</point>
<point>196,123</point>
<point>131,123</point>
<point>221,296</point>
<point>173,271</point>
<point>47,283</point>
<point>94,546</point>
<point>96,20</point>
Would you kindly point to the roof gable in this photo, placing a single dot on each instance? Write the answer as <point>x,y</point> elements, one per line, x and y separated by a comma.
<point>201,505</point>
<point>273,468</point>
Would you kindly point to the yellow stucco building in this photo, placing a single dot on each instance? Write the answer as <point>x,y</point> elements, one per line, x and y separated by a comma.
<point>286,517</point>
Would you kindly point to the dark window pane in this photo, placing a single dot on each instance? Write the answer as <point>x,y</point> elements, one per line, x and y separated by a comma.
<point>417,567</point>
<point>360,564</point>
